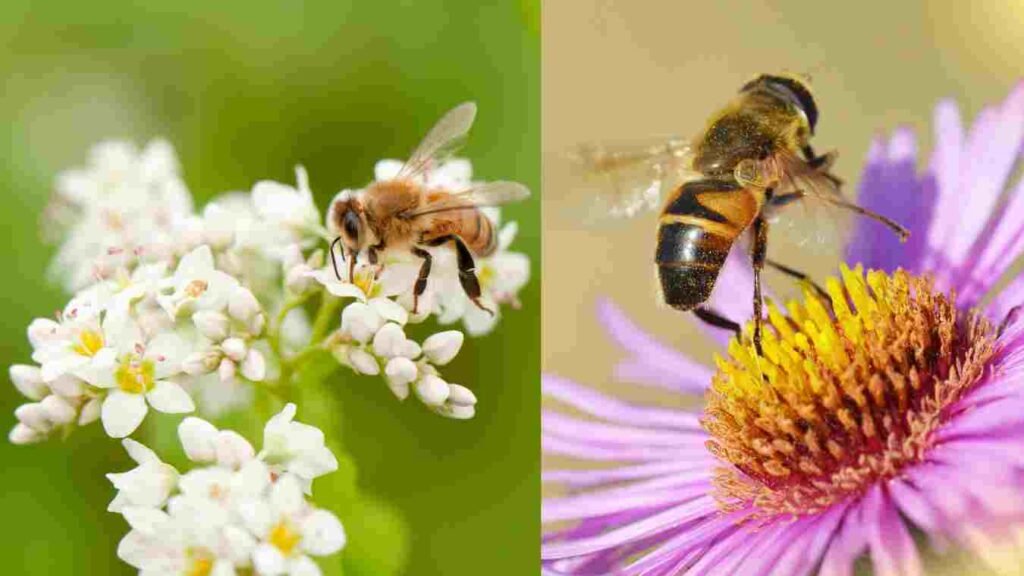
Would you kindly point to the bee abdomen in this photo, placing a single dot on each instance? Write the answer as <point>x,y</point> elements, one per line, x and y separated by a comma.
<point>698,227</point>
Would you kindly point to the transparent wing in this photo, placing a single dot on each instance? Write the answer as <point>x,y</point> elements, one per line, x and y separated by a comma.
<point>807,211</point>
<point>479,195</point>
<point>621,181</point>
<point>447,135</point>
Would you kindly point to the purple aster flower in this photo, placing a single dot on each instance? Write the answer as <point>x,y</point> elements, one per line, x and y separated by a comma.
<point>894,405</point>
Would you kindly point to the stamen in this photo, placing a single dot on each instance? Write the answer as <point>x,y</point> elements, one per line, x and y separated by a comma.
<point>849,391</point>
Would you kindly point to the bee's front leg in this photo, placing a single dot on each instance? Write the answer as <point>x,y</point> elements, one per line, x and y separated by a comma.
<point>373,254</point>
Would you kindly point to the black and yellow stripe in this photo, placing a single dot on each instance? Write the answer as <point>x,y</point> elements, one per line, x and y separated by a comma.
<point>697,228</point>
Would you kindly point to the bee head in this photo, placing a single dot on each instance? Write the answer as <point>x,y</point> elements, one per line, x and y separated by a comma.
<point>791,88</point>
<point>347,219</point>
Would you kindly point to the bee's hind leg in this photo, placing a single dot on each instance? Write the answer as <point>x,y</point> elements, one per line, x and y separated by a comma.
<point>712,318</point>
<point>421,280</point>
<point>467,269</point>
<point>757,258</point>
<point>801,276</point>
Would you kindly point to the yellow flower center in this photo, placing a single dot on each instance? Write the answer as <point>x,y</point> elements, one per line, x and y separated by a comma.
<point>284,538</point>
<point>486,275</point>
<point>849,391</point>
<point>366,280</point>
<point>134,375</point>
<point>89,343</point>
<point>200,563</point>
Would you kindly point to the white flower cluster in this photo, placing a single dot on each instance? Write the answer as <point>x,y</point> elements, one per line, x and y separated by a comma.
<point>239,511</point>
<point>174,310</point>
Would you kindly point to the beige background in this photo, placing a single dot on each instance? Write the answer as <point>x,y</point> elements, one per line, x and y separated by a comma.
<point>617,70</point>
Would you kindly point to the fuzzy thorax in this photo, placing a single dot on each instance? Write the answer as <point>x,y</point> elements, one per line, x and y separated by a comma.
<point>849,391</point>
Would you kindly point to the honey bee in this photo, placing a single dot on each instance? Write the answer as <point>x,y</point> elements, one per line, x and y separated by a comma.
<point>403,214</point>
<point>753,157</point>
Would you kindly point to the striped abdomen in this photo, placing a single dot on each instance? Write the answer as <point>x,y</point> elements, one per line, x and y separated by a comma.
<point>697,227</point>
<point>470,224</point>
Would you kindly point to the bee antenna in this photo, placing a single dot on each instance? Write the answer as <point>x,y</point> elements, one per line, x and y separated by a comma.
<point>334,261</point>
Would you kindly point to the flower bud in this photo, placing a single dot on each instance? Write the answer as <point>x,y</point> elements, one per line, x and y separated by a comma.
<point>363,362</point>
<point>242,304</point>
<point>232,449</point>
<point>42,330</point>
<point>461,396</point>
<point>212,324</point>
<point>388,340</point>
<point>297,279</point>
<point>90,411</point>
<point>202,362</point>
<point>34,416</point>
<point>234,348</point>
<point>390,310</point>
<point>22,434</point>
<point>442,347</point>
<point>254,367</point>
<point>400,372</point>
<point>197,438</point>
<point>410,349</point>
<point>458,412</point>
<point>226,371</point>
<point>360,322</point>
<point>68,386</point>
<point>431,390</point>
<point>58,410</point>
<point>28,381</point>
<point>256,324</point>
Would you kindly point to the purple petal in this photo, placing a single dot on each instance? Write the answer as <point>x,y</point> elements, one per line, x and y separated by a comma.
<point>846,546</point>
<point>589,451</point>
<point>893,551</point>
<point>652,362</point>
<point>890,186</point>
<point>993,149</point>
<point>801,559</point>
<point>591,477</point>
<point>674,516</point>
<point>945,169</point>
<point>613,410</point>
<point>681,545</point>
<point>659,492</point>
<point>598,433</point>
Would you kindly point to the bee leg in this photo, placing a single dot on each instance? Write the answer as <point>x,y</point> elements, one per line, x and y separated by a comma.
<point>801,276</point>
<point>334,261</point>
<point>351,266</point>
<point>712,318</point>
<point>421,279</point>
<point>372,253</point>
<point>757,257</point>
<point>467,269</point>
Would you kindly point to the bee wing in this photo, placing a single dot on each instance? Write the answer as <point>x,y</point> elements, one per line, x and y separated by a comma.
<point>623,180</point>
<point>477,196</point>
<point>447,136</point>
<point>807,209</point>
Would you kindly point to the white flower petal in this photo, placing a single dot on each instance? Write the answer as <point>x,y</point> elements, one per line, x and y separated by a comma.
<point>29,381</point>
<point>431,390</point>
<point>390,310</point>
<point>197,437</point>
<point>232,449</point>
<point>268,561</point>
<point>169,398</point>
<point>146,520</point>
<point>122,413</point>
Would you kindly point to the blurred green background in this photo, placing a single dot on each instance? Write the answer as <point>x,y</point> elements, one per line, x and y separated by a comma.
<point>245,91</point>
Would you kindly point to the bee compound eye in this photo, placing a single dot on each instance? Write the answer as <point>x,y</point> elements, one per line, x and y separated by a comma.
<point>350,224</point>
